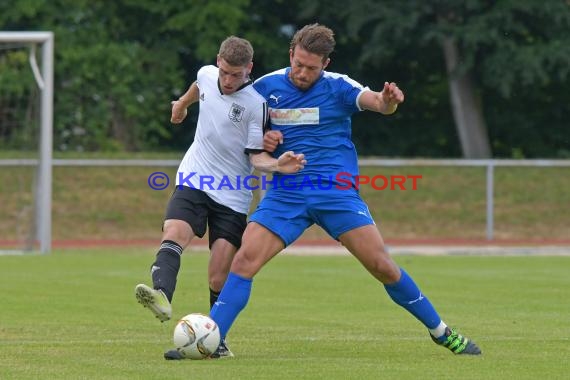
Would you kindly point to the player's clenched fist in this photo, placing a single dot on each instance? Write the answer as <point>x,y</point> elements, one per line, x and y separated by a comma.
<point>271,139</point>
<point>179,112</point>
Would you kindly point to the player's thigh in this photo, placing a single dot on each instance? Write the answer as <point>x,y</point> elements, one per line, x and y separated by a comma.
<point>225,230</point>
<point>222,254</point>
<point>284,213</point>
<point>259,245</point>
<point>338,211</point>
<point>345,217</point>
<point>188,206</point>
<point>178,231</point>
<point>366,244</point>
<point>225,223</point>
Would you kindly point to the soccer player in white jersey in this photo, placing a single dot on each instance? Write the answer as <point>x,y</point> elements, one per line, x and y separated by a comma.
<point>310,111</point>
<point>209,190</point>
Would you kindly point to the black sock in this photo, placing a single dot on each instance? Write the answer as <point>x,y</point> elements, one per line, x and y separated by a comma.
<point>165,269</point>
<point>213,297</point>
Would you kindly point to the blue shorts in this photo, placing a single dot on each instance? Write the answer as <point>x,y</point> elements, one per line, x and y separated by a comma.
<point>289,213</point>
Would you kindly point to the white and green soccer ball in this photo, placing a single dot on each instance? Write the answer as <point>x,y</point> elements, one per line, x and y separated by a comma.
<point>196,336</point>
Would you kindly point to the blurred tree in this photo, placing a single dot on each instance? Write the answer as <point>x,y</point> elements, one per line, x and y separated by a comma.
<point>490,48</point>
<point>463,65</point>
<point>112,72</point>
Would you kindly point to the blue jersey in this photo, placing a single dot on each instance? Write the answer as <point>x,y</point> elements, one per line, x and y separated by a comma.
<point>315,122</point>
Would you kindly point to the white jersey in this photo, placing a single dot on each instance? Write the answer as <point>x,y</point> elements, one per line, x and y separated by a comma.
<point>229,127</point>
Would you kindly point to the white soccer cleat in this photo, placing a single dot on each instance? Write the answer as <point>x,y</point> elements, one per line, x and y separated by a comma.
<point>155,301</point>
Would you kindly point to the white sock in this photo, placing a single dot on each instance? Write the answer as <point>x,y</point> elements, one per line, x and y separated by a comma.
<point>439,331</point>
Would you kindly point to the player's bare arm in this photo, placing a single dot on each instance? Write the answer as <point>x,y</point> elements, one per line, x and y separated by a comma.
<point>271,139</point>
<point>288,162</point>
<point>386,102</point>
<point>180,106</point>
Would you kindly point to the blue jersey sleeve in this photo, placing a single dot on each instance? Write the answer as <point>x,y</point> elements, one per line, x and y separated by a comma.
<point>347,91</point>
<point>259,86</point>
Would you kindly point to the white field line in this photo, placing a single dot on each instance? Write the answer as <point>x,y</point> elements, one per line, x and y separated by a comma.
<point>439,250</point>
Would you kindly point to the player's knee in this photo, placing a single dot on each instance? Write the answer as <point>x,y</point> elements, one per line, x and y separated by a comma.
<point>177,231</point>
<point>384,269</point>
<point>216,282</point>
<point>244,264</point>
<point>391,274</point>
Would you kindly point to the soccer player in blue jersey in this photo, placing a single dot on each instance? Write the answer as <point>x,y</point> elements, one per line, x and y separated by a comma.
<point>310,111</point>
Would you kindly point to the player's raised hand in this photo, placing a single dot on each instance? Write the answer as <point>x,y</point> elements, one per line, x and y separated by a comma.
<point>391,94</point>
<point>290,162</point>
<point>179,112</point>
<point>271,139</point>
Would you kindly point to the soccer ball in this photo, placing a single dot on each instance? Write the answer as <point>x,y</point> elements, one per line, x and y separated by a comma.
<point>196,336</point>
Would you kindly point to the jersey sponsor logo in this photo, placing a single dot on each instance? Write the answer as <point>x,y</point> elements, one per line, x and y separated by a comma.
<point>294,116</point>
<point>202,96</point>
<point>236,112</point>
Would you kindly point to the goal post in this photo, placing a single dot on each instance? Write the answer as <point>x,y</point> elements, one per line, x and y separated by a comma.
<point>43,75</point>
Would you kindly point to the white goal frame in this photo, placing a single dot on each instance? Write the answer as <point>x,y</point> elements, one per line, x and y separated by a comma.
<point>44,80</point>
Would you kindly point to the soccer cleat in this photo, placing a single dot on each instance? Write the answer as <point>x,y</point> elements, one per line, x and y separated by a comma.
<point>222,352</point>
<point>155,301</point>
<point>457,343</point>
<point>173,355</point>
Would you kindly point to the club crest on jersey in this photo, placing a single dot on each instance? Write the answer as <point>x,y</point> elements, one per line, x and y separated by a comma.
<point>236,112</point>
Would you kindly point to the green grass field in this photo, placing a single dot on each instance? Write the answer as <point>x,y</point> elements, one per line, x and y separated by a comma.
<point>73,315</point>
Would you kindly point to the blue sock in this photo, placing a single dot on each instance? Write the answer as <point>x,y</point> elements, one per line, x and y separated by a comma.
<point>407,294</point>
<point>231,301</point>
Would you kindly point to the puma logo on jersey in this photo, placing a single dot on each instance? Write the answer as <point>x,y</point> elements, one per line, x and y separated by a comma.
<point>275,98</point>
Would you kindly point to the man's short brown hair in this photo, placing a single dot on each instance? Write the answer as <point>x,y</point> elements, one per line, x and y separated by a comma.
<point>314,38</point>
<point>236,51</point>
